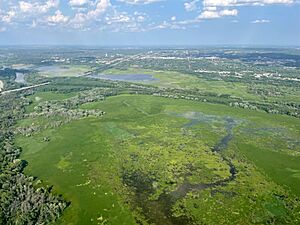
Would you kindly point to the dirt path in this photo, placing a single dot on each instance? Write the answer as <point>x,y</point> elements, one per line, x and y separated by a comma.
<point>24,88</point>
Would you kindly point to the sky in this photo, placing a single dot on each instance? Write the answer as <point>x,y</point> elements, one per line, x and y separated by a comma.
<point>150,22</point>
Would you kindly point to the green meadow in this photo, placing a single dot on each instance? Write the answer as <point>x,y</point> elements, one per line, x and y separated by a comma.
<point>173,79</point>
<point>68,70</point>
<point>152,160</point>
<point>47,96</point>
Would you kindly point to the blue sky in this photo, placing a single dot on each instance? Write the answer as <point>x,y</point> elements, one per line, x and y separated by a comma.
<point>150,22</point>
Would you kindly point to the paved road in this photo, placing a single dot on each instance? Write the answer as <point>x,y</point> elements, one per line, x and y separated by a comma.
<point>24,88</point>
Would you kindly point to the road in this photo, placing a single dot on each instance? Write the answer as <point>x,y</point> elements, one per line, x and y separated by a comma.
<point>114,62</point>
<point>24,88</point>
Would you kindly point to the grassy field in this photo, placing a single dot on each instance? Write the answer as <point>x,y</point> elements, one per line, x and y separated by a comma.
<point>46,96</point>
<point>63,70</point>
<point>150,160</point>
<point>173,79</point>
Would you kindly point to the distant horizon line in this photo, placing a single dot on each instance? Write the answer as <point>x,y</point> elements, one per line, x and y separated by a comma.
<point>150,46</point>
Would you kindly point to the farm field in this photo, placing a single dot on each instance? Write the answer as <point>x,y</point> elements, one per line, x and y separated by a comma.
<point>152,160</point>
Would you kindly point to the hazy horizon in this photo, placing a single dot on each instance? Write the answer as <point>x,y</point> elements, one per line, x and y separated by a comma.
<point>150,22</point>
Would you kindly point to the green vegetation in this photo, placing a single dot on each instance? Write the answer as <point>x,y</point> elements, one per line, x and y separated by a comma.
<point>63,70</point>
<point>47,96</point>
<point>172,79</point>
<point>190,136</point>
<point>130,162</point>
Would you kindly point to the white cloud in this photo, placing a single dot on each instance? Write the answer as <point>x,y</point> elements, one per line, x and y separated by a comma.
<point>124,22</point>
<point>101,7</point>
<point>226,3</point>
<point>57,18</point>
<point>261,21</point>
<point>219,8</point>
<point>209,15</point>
<point>8,17</point>
<point>106,15</point>
<point>28,7</point>
<point>122,18</point>
<point>80,18</point>
<point>211,8</point>
<point>217,14</point>
<point>140,2</point>
<point>166,25</point>
<point>214,3</point>
<point>227,12</point>
<point>191,6</point>
<point>111,15</point>
<point>25,6</point>
<point>78,3</point>
<point>141,18</point>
